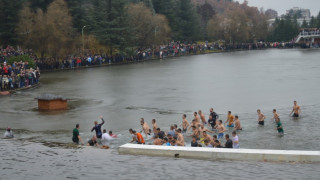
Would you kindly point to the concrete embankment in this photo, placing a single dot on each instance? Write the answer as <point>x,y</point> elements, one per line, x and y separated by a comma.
<point>222,153</point>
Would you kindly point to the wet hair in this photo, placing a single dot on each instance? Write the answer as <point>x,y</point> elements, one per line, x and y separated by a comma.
<point>130,130</point>
<point>156,136</point>
<point>133,131</point>
<point>154,120</point>
<point>166,139</point>
<point>110,132</point>
<point>220,121</point>
<point>169,135</point>
<point>158,129</point>
<point>215,136</point>
<point>236,116</point>
<point>195,113</point>
<point>234,132</point>
<point>175,138</point>
<point>229,112</point>
<point>104,131</point>
<point>216,141</point>
<point>204,132</point>
<point>175,125</point>
<point>199,145</point>
<point>206,141</point>
<point>275,110</point>
<point>171,127</point>
<point>227,135</point>
<point>194,137</point>
<point>184,115</point>
<point>77,125</point>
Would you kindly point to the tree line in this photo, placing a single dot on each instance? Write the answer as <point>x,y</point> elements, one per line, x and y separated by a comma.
<point>57,28</point>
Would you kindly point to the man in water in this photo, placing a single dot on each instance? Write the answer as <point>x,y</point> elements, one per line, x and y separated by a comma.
<point>157,140</point>
<point>75,135</point>
<point>214,117</point>
<point>134,138</point>
<point>275,115</point>
<point>185,123</point>
<point>139,137</point>
<point>205,136</point>
<point>154,126</point>
<point>202,117</point>
<point>93,141</point>
<point>237,123</point>
<point>295,110</point>
<point>195,132</point>
<point>235,140</point>
<point>97,128</point>
<point>221,129</point>
<point>228,142</point>
<point>106,138</point>
<point>180,138</point>
<point>230,120</point>
<point>261,117</point>
<point>194,142</point>
<point>279,127</point>
<point>196,118</point>
<point>8,133</point>
<point>202,128</point>
<point>145,127</point>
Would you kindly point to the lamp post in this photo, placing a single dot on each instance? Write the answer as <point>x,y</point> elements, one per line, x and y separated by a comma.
<point>82,38</point>
<point>154,42</point>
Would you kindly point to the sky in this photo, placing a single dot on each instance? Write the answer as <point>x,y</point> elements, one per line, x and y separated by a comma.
<point>282,5</point>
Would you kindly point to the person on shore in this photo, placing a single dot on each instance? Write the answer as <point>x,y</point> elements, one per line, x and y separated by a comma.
<point>139,138</point>
<point>97,128</point>
<point>180,138</point>
<point>275,115</point>
<point>8,133</point>
<point>235,140</point>
<point>295,110</point>
<point>93,141</point>
<point>154,125</point>
<point>279,127</point>
<point>221,129</point>
<point>185,124</point>
<point>194,142</point>
<point>230,120</point>
<point>145,127</point>
<point>237,123</point>
<point>214,117</point>
<point>75,135</point>
<point>261,117</point>
<point>202,117</point>
<point>228,143</point>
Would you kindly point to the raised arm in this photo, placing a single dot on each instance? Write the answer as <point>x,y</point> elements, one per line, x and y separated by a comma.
<point>101,120</point>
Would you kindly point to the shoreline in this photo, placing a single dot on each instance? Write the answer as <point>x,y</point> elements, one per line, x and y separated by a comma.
<point>8,92</point>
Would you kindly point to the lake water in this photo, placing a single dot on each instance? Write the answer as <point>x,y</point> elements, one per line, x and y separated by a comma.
<point>165,89</point>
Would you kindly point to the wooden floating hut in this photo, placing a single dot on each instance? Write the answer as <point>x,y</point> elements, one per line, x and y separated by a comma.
<point>49,102</point>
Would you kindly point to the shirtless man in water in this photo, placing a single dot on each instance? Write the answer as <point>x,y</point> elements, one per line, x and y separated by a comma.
<point>196,117</point>
<point>154,125</point>
<point>185,123</point>
<point>275,115</point>
<point>180,138</point>
<point>204,129</point>
<point>202,117</point>
<point>221,129</point>
<point>237,123</point>
<point>261,117</point>
<point>295,110</point>
<point>145,127</point>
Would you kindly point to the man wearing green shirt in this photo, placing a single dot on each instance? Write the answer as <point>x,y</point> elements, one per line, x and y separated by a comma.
<point>279,126</point>
<point>76,137</point>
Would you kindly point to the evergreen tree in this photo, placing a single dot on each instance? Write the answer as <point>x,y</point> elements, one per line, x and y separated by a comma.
<point>318,20</point>
<point>77,10</point>
<point>42,4</point>
<point>304,24</point>
<point>186,26</point>
<point>8,20</point>
<point>109,23</point>
<point>313,22</point>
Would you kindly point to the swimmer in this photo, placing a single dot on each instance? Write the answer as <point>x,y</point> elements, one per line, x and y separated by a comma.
<point>97,128</point>
<point>275,115</point>
<point>8,133</point>
<point>237,123</point>
<point>145,127</point>
<point>154,125</point>
<point>185,124</point>
<point>159,133</point>
<point>295,110</point>
<point>139,137</point>
<point>112,135</point>
<point>157,140</point>
<point>180,138</point>
<point>228,142</point>
<point>106,138</point>
<point>202,117</point>
<point>93,141</point>
<point>217,144</point>
<point>202,128</point>
<point>134,138</point>
<point>235,140</point>
<point>261,117</point>
<point>195,132</point>
<point>205,136</point>
<point>194,142</point>
<point>196,117</point>
<point>221,129</point>
<point>207,144</point>
<point>172,132</point>
<point>75,135</point>
<point>166,142</point>
<point>279,127</point>
<point>230,120</point>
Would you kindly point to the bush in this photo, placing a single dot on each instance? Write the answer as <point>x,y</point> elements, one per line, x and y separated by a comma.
<point>23,58</point>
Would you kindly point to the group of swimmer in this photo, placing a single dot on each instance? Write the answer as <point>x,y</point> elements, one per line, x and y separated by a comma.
<point>100,139</point>
<point>198,125</point>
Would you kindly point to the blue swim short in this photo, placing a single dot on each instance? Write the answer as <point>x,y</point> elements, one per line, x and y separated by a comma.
<point>220,135</point>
